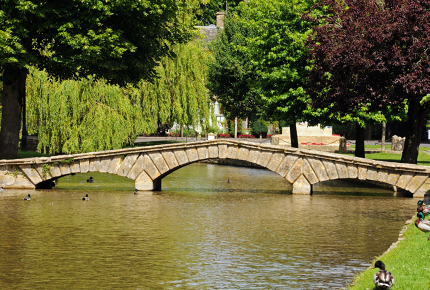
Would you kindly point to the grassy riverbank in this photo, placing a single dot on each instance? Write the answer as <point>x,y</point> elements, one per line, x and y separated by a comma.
<point>409,262</point>
<point>423,158</point>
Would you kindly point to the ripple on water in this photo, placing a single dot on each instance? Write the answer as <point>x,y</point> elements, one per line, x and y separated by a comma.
<point>200,232</point>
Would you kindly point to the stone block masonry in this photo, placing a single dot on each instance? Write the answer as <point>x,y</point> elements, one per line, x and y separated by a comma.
<point>148,165</point>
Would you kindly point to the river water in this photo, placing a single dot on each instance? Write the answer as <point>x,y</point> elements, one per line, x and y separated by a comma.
<point>212,227</point>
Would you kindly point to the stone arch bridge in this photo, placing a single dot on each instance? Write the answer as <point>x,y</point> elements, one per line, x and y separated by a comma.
<point>148,165</point>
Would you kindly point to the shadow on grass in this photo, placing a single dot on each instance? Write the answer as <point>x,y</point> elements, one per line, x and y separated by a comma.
<point>31,154</point>
<point>424,163</point>
<point>153,143</point>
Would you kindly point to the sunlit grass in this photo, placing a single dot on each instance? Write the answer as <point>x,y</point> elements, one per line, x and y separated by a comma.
<point>423,158</point>
<point>409,262</point>
<point>387,147</point>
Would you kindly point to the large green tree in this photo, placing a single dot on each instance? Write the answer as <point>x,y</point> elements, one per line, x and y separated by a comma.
<point>374,54</point>
<point>121,41</point>
<point>232,72</point>
<point>275,45</point>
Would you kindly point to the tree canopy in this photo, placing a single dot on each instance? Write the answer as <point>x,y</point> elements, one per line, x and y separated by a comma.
<point>207,13</point>
<point>277,48</point>
<point>374,54</point>
<point>232,72</point>
<point>261,61</point>
<point>120,41</point>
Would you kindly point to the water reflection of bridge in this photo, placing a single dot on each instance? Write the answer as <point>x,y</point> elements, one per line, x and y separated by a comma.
<point>148,165</point>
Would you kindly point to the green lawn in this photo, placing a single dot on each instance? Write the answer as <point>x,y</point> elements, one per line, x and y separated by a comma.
<point>30,154</point>
<point>388,147</point>
<point>409,262</point>
<point>423,158</point>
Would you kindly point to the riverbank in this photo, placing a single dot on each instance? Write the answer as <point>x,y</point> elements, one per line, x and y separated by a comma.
<point>408,259</point>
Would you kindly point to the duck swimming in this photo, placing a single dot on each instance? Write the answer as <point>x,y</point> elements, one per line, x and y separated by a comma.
<point>383,279</point>
<point>135,191</point>
<point>27,198</point>
<point>86,197</point>
<point>90,180</point>
<point>425,209</point>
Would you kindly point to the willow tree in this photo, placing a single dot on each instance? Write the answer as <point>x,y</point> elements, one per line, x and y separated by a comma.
<point>92,115</point>
<point>179,93</point>
<point>121,41</point>
<point>83,116</point>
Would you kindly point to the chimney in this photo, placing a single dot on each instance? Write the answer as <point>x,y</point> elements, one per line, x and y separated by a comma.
<point>220,19</point>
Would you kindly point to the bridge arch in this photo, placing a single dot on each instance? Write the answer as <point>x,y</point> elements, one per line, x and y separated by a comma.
<point>148,165</point>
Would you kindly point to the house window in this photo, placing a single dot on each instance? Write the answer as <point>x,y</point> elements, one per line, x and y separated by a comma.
<point>220,118</point>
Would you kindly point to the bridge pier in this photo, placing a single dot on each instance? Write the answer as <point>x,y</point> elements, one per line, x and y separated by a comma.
<point>302,186</point>
<point>145,183</point>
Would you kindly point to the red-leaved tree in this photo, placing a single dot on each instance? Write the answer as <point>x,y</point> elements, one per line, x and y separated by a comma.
<point>373,54</point>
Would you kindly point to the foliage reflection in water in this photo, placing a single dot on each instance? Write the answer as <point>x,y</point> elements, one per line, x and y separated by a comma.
<point>212,227</point>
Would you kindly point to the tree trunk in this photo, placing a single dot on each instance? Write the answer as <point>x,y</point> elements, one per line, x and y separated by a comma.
<point>384,127</point>
<point>359,141</point>
<point>12,96</point>
<point>293,136</point>
<point>417,115</point>
<point>235,127</point>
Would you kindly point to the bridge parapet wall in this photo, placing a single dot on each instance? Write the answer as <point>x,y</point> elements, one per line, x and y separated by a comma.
<point>148,165</point>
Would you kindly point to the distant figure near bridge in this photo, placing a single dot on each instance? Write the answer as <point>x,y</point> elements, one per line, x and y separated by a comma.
<point>148,165</point>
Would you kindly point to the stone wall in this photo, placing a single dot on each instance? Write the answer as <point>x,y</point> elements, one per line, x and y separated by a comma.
<point>304,130</point>
<point>309,137</point>
<point>32,142</point>
<point>332,143</point>
<point>397,143</point>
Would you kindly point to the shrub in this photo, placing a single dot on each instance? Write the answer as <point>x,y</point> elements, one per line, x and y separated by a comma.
<point>246,136</point>
<point>259,126</point>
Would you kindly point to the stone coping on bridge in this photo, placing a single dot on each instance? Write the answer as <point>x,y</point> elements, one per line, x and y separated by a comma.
<point>251,145</point>
<point>148,165</point>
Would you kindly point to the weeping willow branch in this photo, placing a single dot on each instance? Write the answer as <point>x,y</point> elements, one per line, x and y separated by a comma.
<point>91,115</point>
